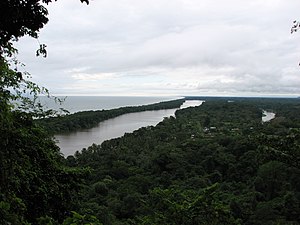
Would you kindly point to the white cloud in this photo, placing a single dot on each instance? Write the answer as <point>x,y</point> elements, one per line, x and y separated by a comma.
<point>168,47</point>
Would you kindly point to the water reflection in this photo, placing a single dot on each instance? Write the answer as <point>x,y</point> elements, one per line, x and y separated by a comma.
<point>69,143</point>
<point>267,116</point>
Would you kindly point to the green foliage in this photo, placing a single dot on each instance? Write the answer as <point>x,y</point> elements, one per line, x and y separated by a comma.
<point>32,170</point>
<point>89,119</point>
<point>19,18</point>
<point>35,185</point>
<point>212,164</point>
<point>77,219</point>
<point>175,206</point>
<point>11,211</point>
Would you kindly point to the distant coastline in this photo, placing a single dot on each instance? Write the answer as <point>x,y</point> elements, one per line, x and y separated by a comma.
<point>85,103</point>
<point>91,118</point>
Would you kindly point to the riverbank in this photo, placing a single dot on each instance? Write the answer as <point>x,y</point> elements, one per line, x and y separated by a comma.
<point>116,127</point>
<point>142,175</point>
<point>89,119</point>
<point>71,142</point>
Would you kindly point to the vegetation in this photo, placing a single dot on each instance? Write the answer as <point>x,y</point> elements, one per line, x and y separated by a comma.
<point>35,183</point>
<point>89,119</point>
<point>36,187</point>
<point>213,164</point>
<point>19,18</point>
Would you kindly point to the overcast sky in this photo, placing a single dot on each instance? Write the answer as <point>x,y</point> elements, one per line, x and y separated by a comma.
<point>168,48</point>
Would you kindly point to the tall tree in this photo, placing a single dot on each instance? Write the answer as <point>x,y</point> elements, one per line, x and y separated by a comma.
<point>21,17</point>
<point>34,183</point>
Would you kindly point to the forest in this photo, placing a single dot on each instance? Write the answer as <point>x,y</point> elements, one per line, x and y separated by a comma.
<point>217,163</point>
<point>214,164</point>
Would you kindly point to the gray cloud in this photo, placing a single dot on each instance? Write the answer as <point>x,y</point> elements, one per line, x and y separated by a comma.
<point>168,47</point>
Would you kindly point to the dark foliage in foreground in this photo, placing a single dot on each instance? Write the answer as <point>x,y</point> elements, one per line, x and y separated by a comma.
<point>212,164</point>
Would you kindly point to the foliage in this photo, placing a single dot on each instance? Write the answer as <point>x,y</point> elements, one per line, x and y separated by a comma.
<point>295,27</point>
<point>18,93</point>
<point>33,172</point>
<point>89,119</point>
<point>81,220</point>
<point>172,206</point>
<point>35,184</point>
<point>19,18</point>
<point>212,164</point>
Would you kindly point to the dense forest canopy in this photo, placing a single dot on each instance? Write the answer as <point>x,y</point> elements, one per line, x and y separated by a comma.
<point>212,164</point>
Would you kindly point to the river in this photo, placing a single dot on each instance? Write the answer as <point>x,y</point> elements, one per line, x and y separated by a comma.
<point>69,143</point>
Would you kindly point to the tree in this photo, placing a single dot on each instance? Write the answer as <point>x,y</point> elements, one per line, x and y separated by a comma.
<point>295,27</point>
<point>34,182</point>
<point>21,17</point>
<point>175,206</point>
<point>17,19</point>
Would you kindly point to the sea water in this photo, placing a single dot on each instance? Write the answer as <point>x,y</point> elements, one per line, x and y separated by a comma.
<point>85,103</point>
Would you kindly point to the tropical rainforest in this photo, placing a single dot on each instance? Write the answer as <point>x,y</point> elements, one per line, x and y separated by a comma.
<point>217,163</point>
<point>212,164</point>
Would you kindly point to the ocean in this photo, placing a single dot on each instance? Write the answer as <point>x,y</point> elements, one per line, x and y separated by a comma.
<point>85,103</point>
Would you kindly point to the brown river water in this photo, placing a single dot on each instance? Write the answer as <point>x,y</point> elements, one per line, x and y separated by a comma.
<point>71,142</point>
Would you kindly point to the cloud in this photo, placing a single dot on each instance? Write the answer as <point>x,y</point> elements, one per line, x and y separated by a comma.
<point>177,47</point>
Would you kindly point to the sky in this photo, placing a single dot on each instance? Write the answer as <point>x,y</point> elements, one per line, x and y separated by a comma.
<point>168,48</point>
